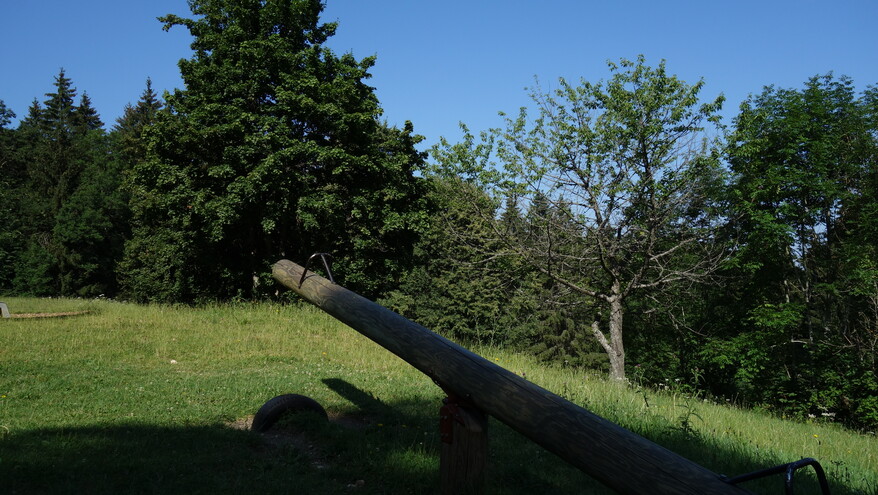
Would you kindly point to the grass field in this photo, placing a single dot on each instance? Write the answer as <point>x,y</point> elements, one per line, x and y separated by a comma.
<point>157,399</point>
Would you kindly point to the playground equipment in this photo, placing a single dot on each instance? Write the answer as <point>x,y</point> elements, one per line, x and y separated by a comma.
<point>477,388</point>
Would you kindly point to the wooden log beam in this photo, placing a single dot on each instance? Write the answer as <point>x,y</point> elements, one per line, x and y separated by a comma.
<point>618,458</point>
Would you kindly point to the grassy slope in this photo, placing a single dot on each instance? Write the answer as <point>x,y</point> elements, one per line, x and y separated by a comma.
<point>147,399</point>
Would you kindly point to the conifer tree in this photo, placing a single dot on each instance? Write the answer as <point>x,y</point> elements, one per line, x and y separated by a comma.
<point>54,170</point>
<point>67,194</point>
<point>130,129</point>
<point>87,118</point>
<point>10,178</point>
<point>6,143</point>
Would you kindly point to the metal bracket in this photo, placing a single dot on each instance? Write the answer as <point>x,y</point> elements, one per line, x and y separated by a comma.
<point>323,257</point>
<point>449,413</point>
<point>789,470</point>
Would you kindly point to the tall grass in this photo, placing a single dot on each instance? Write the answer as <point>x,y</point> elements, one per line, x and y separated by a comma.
<point>155,399</point>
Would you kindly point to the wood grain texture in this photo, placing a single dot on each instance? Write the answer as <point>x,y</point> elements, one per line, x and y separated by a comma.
<point>609,453</point>
<point>464,453</point>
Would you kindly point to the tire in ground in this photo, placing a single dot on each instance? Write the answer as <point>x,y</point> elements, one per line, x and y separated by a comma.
<point>274,409</point>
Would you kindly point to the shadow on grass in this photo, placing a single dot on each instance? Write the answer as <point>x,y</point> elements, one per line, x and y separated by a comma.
<point>517,465</point>
<point>371,447</point>
<point>365,401</point>
<point>383,450</point>
<point>148,459</point>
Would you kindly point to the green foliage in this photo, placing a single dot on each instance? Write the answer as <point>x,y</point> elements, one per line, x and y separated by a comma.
<point>456,288</point>
<point>156,266</point>
<point>36,273</point>
<point>801,323</point>
<point>66,225</point>
<point>555,337</point>
<point>90,229</point>
<point>616,177</point>
<point>274,149</point>
<point>10,181</point>
<point>468,286</point>
<point>130,140</point>
<point>6,115</point>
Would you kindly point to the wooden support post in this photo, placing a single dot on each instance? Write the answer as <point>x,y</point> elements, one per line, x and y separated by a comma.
<point>462,460</point>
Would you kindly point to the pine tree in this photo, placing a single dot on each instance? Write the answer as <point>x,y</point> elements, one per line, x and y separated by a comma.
<point>52,172</point>
<point>6,144</point>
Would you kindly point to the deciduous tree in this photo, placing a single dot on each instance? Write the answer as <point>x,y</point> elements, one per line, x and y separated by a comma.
<point>804,163</point>
<point>274,148</point>
<point>628,170</point>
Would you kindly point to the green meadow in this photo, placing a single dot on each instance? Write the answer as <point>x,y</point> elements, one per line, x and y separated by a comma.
<point>157,399</point>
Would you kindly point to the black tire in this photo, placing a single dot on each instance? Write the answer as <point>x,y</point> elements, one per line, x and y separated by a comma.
<point>274,409</point>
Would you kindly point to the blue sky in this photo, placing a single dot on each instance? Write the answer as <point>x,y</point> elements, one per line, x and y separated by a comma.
<point>444,62</point>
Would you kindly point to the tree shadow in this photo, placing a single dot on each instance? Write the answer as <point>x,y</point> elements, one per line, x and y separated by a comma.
<point>517,465</point>
<point>141,458</point>
<point>371,446</point>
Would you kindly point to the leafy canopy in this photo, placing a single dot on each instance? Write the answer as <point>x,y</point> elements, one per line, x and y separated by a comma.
<point>274,149</point>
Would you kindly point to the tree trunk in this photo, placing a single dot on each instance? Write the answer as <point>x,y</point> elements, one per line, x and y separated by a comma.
<point>617,347</point>
<point>614,347</point>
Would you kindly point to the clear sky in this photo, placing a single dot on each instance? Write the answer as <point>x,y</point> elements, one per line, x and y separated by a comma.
<point>450,61</point>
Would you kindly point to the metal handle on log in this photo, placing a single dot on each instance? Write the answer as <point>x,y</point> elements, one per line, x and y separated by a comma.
<point>618,458</point>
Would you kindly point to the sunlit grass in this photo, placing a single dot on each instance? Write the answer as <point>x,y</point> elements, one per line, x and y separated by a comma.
<point>718,436</point>
<point>168,381</point>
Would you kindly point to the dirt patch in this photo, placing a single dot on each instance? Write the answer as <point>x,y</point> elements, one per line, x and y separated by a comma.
<point>286,437</point>
<point>241,424</point>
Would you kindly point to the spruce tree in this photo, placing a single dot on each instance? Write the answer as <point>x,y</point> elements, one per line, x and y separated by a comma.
<point>67,195</point>
<point>87,118</point>
<point>52,174</point>
<point>129,133</point>
<point>54,170</point>
<point>7,146</point>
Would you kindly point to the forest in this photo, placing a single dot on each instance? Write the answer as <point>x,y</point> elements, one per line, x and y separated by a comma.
<point>616,225</point>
